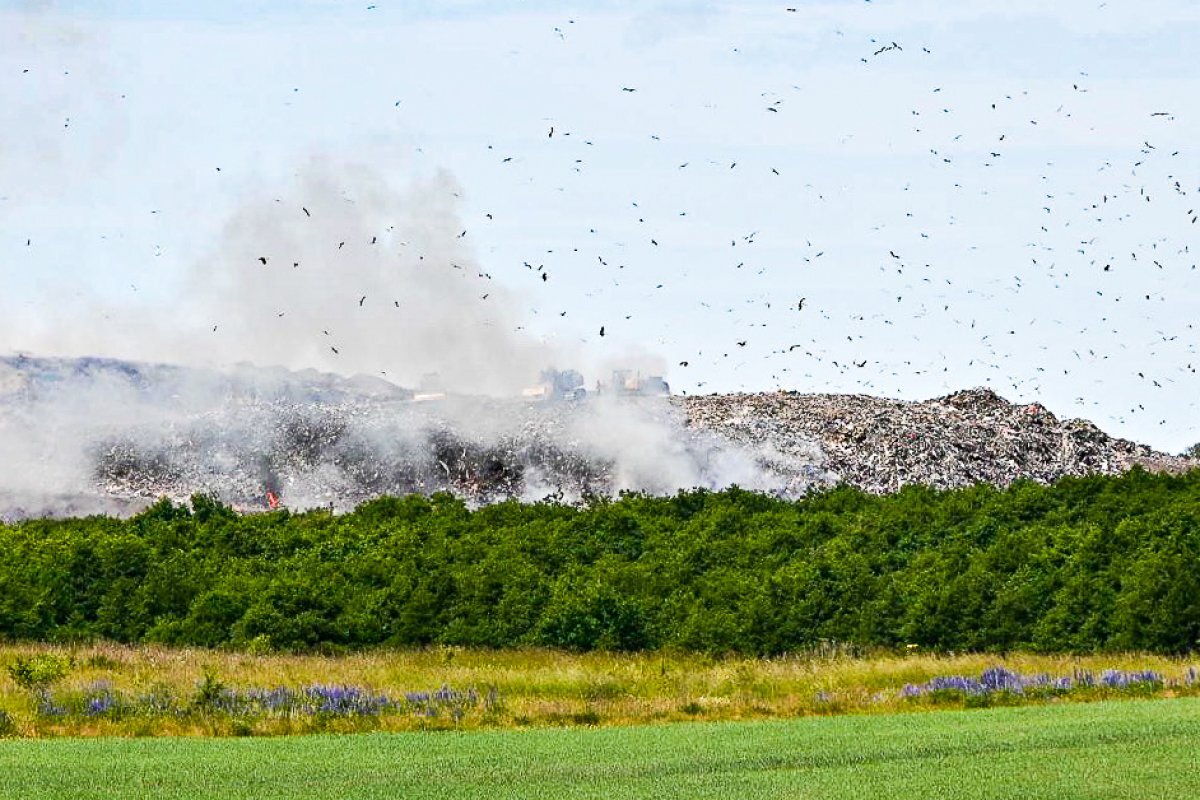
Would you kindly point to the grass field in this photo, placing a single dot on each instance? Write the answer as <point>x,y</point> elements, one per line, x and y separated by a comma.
<point>534,688</point>
<point>1134,749</point>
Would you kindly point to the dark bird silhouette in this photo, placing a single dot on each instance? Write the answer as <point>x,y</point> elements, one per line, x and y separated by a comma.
<point>305,210</point>
<point>601,330</point>
<point>361,300</point>
<point>334,349</point>
<point>741,344</point>
<point>627,89</point>
<point>545,276</point>
<point>262,259</point>
<point>800,305</point>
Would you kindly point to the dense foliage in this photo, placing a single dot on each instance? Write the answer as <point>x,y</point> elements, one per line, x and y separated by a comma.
<point>1098,563</point>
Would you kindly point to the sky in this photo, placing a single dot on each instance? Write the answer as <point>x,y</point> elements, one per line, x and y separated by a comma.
<point>900,199</point>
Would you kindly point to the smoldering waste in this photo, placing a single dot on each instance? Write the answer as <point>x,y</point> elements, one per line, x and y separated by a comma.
<point>311,439</point>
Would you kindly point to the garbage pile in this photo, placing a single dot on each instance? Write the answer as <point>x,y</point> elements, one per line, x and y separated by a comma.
<point>94,436</point>
<point>879,445</point>
<point>484,450</point>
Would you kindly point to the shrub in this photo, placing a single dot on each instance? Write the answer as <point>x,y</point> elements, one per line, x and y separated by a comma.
<point>39,671</point>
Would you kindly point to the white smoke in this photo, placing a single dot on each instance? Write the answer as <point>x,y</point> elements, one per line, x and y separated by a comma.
<point>337,291</point>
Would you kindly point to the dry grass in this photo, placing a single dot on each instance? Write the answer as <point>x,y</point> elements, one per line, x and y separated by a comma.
<point>535,687</point>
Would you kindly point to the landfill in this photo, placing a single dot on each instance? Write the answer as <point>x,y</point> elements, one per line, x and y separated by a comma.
<point>968,437</point>
<point>256,438</point>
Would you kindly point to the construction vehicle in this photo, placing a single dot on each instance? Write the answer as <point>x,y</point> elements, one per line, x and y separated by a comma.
<point>628,383</point>
<point>557,385</point>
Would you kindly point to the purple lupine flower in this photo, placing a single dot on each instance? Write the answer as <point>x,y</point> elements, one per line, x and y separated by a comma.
<point>1120,679</point>
<point>1000,679</point>
<point>46,707</point>
<point>100,704</point>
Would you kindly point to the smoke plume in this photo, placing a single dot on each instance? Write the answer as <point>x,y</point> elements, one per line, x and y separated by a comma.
<point>340,340</point>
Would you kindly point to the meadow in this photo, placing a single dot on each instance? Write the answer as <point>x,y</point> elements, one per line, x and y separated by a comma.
<point>124,690</point>
<point>1141,749</point>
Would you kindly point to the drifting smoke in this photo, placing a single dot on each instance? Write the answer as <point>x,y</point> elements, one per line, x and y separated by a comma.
<point>385,280</point>
<point>377,289</point>
<point>338,273</point>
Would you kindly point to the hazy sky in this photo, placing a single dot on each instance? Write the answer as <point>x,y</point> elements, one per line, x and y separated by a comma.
<point>982,193</point>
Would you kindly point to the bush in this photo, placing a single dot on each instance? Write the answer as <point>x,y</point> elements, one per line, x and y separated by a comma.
<point>39,671</point>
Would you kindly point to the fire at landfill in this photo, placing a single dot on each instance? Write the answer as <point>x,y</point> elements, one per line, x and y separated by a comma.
<point>258,439</point>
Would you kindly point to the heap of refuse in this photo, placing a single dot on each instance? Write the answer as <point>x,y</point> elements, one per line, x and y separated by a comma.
<point>83,436</point>
<point>879,445</point>
<point>482,449</point>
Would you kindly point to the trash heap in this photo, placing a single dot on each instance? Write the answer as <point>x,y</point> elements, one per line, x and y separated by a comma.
<point>972,436</point>
<point>101,436</point>
<point>482,449</point>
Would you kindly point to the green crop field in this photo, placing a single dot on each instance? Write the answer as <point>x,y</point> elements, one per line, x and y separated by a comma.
<point>1133,749</point>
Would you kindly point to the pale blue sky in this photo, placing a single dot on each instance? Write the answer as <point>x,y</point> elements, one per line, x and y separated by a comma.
<point>112,139</point>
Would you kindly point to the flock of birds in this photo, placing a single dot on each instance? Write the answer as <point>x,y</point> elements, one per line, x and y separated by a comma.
<point>1079,242</point>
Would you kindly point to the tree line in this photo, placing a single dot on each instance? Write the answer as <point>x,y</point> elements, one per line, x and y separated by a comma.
<point>1087,564</point>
